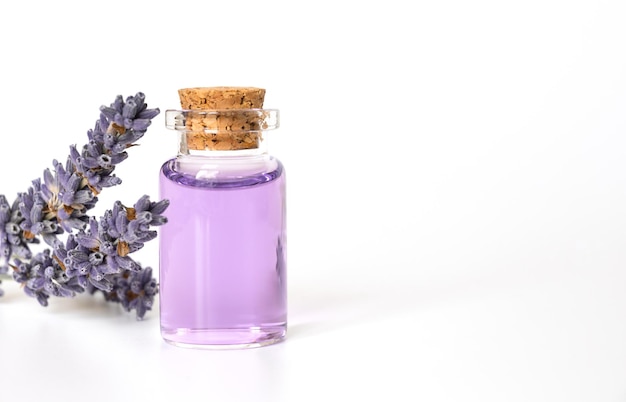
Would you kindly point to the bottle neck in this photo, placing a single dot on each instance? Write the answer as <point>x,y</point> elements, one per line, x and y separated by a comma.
<point>184,150</point>
<point>224,164</point>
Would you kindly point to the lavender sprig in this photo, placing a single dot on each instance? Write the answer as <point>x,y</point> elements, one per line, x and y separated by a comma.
<point>97,256</point>
<point>61,202</point>
<point>134,290</point>
<point>12,240</point>
<point>103,249</point>
<point>43,277</point>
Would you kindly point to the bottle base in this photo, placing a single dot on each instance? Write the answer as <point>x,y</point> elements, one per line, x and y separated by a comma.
<point>246,338</point>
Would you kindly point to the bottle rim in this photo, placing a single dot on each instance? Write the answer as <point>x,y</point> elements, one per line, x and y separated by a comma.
<point>256,120</point>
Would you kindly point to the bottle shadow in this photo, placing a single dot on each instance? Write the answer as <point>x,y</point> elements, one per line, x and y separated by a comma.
<point>312,314</point>
<point>315,312</point>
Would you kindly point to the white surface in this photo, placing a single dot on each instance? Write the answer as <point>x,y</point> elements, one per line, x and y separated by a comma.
<point>457,184</point>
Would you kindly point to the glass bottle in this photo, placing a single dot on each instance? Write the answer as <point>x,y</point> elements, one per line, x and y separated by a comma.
<point>223,252</point>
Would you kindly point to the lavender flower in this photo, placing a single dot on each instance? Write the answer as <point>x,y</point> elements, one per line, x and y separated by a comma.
<point>132,114</point>
<point>134,290</point>
<point>119,126</point>
<point>5,245</point>
<point>12,240</point>
<point>97,257</point>
<point>37,223</point>
<point>67,196</point>
<point>62,201</point>
<point>44,277</point>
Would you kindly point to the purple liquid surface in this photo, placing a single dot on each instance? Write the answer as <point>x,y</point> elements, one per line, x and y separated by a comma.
<point>222,259</point>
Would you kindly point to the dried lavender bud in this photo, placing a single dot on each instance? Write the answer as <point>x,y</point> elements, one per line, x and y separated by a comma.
<point>155,209</point>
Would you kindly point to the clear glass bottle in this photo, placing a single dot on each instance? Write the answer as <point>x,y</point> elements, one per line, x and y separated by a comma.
<point>223,251</point>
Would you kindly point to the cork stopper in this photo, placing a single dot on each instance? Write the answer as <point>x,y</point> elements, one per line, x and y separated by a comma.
<point>222,131</point>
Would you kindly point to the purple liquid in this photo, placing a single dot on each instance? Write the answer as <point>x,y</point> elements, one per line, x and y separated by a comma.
<point>222,259</point>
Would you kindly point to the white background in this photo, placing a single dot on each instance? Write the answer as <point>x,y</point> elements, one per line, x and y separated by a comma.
<point>457,187</point>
